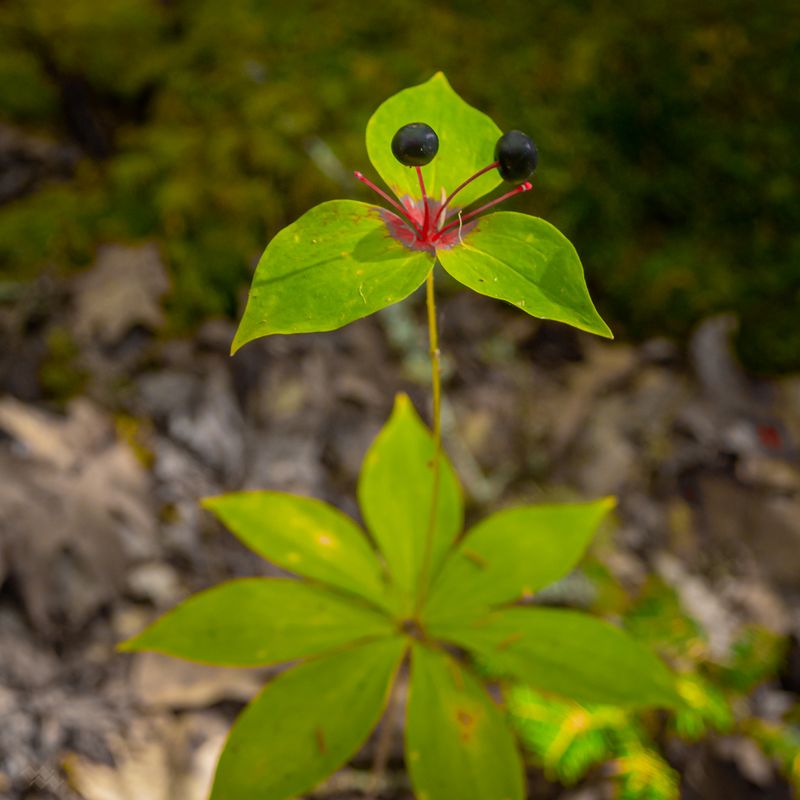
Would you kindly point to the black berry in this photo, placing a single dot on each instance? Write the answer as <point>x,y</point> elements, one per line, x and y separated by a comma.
<point>516,155</point>
<point>415,144</point>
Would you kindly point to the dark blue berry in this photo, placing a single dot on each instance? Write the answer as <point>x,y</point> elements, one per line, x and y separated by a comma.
<point>516,155</point>
<point>415,144</point>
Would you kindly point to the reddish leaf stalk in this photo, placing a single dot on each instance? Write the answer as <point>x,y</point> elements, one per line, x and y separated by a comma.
<point>367,182</point>
<point>458,188</point>
<point>527,186</point>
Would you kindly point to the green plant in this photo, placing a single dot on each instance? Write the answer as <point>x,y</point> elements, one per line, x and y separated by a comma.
<point>568,740</point>
<point>415,586</point>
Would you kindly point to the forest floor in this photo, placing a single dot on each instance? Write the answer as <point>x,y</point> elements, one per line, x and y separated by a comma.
<point>101,531</point>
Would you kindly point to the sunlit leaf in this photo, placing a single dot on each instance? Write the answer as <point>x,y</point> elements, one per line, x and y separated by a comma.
<point>307,723</point>
<point>528,263</point>
<point>567,653</point>
<point>395,493</point>
<point>566,739</point>
<point>458,745</point>
<point>335,264</point>
<point>513,553</point>
<point>466,142</point>
<point>306,536</point>
<point>705,708</point>
<point>257,621</point>
<point>643,774</point>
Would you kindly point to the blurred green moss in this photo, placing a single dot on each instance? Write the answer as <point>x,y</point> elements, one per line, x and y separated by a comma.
<point>667,133</point>
<point>60,375</point>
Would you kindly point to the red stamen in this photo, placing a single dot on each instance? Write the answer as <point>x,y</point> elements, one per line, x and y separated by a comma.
<point>391,201</point>
<point>461,220</point>
<point>424,203</point>
<point>458,188</point>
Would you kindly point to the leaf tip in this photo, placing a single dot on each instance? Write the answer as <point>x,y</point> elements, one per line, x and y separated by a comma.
<point>404,410</point>
<point>129,645</point>
<point>239,340</point>
<point>609,503</point>
<point>210,503</point>
<point>402,401</point>
<point>603,330</point>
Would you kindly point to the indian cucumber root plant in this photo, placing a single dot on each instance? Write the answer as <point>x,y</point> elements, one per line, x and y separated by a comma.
<point>412,587</point>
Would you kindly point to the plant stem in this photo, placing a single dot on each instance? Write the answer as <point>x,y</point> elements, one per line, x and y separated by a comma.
<point>383,744</point>
<point>433,340</point>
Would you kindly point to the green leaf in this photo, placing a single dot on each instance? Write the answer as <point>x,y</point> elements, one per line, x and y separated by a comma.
<point>566,738</point>
<point>458,745</point>
<point>528,263</point>
<point>335,264</point>
<point>307,723</point>
<point>395,495</point>
<point>466,142</point>
<point>568,653</point>
<point>513,553</point>
<point>305,536</point>
<point>256,621</point>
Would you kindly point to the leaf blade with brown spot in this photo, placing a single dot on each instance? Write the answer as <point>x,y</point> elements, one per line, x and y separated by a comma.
<point>458,745</point>
<point>514,552</point>
<point>305,536</point>
<point>306,723</point>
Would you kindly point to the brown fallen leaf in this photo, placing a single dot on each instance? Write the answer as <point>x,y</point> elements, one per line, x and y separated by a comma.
<point>75,509</point>
<point>159,759</point>
<point>159,682</point>
<point>123,289</point>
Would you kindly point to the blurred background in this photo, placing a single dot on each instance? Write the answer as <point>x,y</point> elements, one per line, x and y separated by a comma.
<point>148,152</point>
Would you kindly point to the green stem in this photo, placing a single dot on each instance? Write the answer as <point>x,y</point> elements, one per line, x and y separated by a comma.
<point>433,339</point>
<point>383,743</point>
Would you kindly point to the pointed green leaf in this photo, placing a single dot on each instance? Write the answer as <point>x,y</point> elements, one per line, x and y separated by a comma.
<point>305,536</point>
<point>528,263</point>
<point>513,553</point>
<point>466,142</point>
<point>335,264</point>
<point>307,723</point>
<point>257,621</point>
<point>458,745</point>
<point>395,492</point>
<point>568,653</point>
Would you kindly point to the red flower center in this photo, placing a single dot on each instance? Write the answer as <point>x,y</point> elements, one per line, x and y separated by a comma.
<point>423,224</point>
<point>414,235</point>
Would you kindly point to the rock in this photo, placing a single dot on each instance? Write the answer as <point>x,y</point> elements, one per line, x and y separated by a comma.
<point>156,582</point>
<point>199,411</point>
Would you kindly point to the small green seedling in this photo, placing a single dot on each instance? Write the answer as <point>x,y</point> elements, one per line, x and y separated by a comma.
<point>413,587</point>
